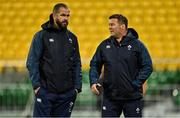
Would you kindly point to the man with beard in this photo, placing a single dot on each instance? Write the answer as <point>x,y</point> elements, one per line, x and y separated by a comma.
<point>127,65</point>
<point>54,66</point>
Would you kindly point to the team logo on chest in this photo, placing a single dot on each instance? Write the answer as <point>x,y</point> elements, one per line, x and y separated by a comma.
<point>70,40</point>
<point>129,47</point>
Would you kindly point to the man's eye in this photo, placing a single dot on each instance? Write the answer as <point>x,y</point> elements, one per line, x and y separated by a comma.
<point>64,15</point>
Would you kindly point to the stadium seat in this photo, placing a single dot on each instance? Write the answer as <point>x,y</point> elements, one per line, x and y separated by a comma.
<point>152,19</point>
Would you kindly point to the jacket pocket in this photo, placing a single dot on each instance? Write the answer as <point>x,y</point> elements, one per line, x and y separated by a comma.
<point>119,90</point>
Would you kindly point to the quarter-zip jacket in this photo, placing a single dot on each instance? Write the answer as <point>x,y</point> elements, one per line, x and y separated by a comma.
<point>127,65</point>
<point>54,60</point>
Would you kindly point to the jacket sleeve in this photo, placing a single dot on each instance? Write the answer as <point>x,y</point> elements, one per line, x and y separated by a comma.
<point>33,58</point>
<point>77,69</point>
<point>95,67</point>
<point>145,64</point>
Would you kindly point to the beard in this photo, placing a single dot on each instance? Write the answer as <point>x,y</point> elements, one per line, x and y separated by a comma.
<point>62,24</point>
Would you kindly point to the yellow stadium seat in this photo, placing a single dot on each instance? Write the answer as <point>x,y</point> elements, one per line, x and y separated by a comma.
<point>153,19</point>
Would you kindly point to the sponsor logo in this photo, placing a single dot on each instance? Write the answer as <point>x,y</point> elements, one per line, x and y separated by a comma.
<point>129,47</point>
<point>104,107</point>
<point>51,40</point>
<point>39,100</point>
<point>137,110</point>
<point>108,46</point>
<point>70,106</point>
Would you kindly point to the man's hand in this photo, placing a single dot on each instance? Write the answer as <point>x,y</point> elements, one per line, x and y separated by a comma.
<point>36,90</point>
<point>76,91</point>
<point>95,88</point>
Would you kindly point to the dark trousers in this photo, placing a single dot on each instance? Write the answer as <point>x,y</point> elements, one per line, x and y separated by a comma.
<point>54,105</point>
<point>130,108</point>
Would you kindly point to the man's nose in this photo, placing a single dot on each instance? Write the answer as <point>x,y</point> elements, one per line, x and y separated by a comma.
<point>66,17</point>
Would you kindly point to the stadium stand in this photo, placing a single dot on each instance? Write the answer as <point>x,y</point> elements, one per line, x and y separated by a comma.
<point>156,21</point>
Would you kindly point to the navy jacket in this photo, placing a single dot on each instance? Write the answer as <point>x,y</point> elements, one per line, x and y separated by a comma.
<point>54,60</point>
<point>127,65</point>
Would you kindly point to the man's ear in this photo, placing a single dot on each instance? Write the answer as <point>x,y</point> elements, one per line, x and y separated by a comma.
<point>54,15</point>
<point>123,26</point>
